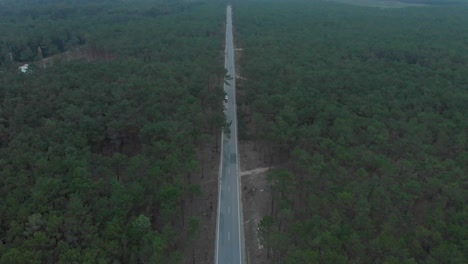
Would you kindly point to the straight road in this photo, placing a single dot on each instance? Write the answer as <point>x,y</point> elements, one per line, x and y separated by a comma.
<point>228,233</point>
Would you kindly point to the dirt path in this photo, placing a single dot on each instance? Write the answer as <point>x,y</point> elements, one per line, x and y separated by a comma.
<point>254,171</point>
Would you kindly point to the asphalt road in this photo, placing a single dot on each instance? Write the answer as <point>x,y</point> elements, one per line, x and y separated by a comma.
<point>228,233</point>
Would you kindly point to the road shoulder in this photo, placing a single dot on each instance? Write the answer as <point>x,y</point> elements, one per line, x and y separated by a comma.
<point>256,200</point>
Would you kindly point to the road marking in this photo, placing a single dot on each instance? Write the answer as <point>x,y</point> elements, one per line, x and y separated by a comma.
<point>231,110</point>
<point>239,202</point>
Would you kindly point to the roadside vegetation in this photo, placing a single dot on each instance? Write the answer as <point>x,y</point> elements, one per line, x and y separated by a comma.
<point>362,111</point>
<point>97,153</point>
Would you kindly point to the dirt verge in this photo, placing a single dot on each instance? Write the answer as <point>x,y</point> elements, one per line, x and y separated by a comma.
<point>200,249</point>
<point>256,200</point>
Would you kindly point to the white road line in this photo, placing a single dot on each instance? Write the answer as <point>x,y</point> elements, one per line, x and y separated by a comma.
<point>229,235</point>
<point>229,210</point>
<point>229,188</point>
<point>233,73</point>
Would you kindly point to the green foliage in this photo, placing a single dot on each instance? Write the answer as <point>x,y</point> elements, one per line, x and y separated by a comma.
<point>95,151</point>
<point>60,26</point>
<point>193,227</point>
<point>363,111</point>
<point>264,230</point>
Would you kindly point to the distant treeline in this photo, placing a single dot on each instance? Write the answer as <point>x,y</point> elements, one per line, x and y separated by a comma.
<point>434,2</point>
<point>58,26</point>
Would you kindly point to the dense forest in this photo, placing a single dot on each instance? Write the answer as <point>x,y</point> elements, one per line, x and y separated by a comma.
<point>97,150</point>
<point>56,26</point>
<point>363,112</point>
